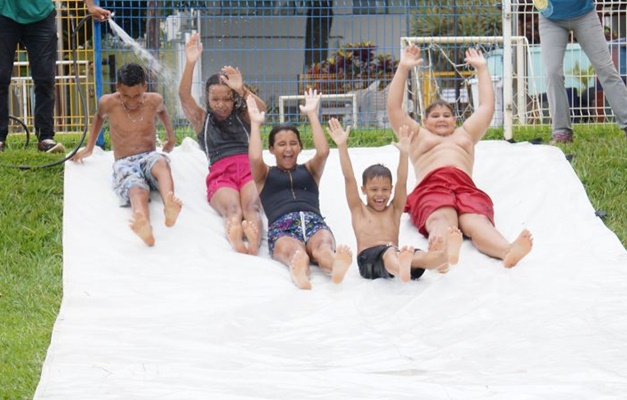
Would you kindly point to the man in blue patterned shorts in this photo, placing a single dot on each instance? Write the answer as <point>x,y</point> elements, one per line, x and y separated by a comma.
<point>138,167</point>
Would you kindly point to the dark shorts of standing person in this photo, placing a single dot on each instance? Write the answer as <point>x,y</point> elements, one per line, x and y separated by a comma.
<point>300,225</point>
<point>232,172</point>
<point>447,187</point>
<point>371,265</point>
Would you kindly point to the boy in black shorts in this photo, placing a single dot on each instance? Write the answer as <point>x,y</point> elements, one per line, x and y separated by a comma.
<point>377,223</point>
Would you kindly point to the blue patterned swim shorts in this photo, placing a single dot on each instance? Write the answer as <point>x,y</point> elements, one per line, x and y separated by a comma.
<point>135,171</point>
<point>300,225</point>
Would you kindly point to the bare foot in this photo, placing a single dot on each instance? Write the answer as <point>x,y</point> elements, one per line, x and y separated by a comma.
<point>519,248</point>
<point>343,260</point>
<point>437,256</point>
<point>299,270</point>
<point>140,225</point>
<point>171,209</point>
<point>252,236</point>
<point>234,235</point>
<point>454,243</point>
<point>405,255</point>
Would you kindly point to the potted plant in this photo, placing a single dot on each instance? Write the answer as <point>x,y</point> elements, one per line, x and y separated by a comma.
<point>352,67</point>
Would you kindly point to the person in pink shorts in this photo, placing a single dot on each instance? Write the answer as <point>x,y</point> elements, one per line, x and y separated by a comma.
<point>223,129</point>
<point>446,198</point>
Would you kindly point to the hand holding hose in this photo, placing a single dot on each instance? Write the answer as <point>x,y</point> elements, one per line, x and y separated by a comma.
<point>98,13</point>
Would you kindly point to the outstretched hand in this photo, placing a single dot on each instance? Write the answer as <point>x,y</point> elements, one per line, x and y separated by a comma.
<point>169,144</point>
<point>337,133</point>
<point>193,48</point>
<point>404,136</point>
<point>256,116</point>
<point>475,58</point>
<point>232,77</point>
<point>83,153</point>
<point>312,101</point>
<point>410,57</point>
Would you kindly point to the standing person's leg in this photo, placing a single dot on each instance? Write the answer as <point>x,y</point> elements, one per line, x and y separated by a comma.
<point>251,209</point>
<point>9,37</point>
<point>554,38</point>
<point>589,33</point>
<point>40,39</point>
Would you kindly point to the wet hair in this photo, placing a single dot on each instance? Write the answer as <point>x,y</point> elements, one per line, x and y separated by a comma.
<point>438,103</point>
<point>280,128</point>
<point>131,74</point>
<point>240,103</point>
<point>376,170</point>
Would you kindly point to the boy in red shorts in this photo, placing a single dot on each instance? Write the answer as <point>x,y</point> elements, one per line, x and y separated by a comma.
<point>443,158</point>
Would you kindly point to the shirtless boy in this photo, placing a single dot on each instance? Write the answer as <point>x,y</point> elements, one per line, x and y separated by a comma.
<point>443,157</point>
<point>377,223</point>
<point>138,167</point>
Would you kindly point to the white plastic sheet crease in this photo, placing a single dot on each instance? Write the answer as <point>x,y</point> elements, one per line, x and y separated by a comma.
<point>191,319</point>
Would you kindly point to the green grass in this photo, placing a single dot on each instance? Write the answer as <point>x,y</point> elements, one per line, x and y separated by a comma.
<point>31,252</point>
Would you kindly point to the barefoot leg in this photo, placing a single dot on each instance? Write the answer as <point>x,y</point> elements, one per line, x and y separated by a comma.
<point>171,209</point>
<point>140,225</point>
<point>437,257</point>
<point>454,243</point>
<point>343,259</point>
<point>251,232</point>
<point>299,270</point>
<point>520,248</point>
<point>405,256</point>
<point>234,235</point>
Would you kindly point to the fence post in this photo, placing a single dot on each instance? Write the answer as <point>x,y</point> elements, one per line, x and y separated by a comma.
<point>508,89</point>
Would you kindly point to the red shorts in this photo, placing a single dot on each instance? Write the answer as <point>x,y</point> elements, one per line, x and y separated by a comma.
<point>232,172</point>
<point>447,187</point>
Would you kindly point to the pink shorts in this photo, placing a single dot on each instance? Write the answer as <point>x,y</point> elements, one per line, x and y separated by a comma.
<point>447,187</point>
<point>232,172</point>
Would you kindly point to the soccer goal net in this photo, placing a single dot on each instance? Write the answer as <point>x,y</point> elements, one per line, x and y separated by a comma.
<point>444,75</point>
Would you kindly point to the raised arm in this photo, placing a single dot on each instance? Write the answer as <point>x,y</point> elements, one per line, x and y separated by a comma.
<point>340,137</point>
<point>96,126</point>
<point>258,167</point>
<point>194,113</point>
<point>164,117</point>
<point>404,136</point>
<point>310,109</point>
<point>396,113</point>
<point>479,122</point>
<point>232,77</point>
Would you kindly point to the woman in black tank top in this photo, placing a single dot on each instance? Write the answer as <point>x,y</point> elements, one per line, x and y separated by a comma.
<point>297,234</point>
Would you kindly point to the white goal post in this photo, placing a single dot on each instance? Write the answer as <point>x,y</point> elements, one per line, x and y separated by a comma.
<point>521,45</point>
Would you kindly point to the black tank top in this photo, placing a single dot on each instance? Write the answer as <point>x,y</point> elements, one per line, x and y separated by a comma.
<point>289,191</point>
<point>220,139</point>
